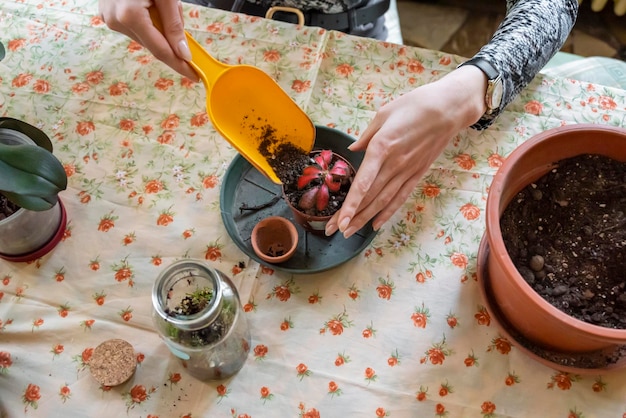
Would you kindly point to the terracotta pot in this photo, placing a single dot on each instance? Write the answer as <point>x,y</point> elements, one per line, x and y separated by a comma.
<point>521,307</point>
<point>311,223</point>
<point>27,235</point>
<point>274,239</point>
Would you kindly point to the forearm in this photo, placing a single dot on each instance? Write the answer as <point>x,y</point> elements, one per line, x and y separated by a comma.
<point>531,33</point>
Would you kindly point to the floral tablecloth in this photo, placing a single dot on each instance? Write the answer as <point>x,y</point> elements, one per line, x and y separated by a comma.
<point>398,331</point>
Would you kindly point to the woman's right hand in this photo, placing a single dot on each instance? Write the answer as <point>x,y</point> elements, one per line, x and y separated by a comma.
<point>132,18</point>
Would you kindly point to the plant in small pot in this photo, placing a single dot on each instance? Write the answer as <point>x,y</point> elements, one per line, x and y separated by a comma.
<point>32,217</point>
<point>318,188</point>
<point>550,263</point>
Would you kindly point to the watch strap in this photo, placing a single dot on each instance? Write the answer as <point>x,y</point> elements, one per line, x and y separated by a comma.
<point>490,71</point>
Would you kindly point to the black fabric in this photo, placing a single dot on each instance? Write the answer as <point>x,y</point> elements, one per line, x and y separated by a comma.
<point>366,20</point>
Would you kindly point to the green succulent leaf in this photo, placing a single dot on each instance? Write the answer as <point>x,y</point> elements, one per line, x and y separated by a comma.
<point>30,176</point>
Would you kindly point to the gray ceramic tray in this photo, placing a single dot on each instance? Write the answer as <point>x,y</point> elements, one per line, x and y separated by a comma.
<point>245,186</point>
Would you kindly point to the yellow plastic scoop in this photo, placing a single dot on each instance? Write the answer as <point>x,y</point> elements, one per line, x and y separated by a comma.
<point>248,108</point>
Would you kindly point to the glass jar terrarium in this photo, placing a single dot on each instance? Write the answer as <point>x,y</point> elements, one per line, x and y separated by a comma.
<point>198,314</point>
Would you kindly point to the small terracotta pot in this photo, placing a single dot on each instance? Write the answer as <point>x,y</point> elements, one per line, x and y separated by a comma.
<point>525,310</point>
<point>314,224</point>
<point>274,239</point>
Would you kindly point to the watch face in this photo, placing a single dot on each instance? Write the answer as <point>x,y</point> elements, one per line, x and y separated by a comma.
<point>496,96</point>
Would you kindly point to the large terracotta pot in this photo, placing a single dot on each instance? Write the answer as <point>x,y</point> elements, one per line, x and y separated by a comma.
<point>520,306</point>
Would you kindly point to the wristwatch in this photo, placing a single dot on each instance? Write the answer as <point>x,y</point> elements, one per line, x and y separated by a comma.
<point>495,89</point>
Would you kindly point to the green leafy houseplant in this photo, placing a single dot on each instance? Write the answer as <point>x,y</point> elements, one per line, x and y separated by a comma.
<point>30,175</point>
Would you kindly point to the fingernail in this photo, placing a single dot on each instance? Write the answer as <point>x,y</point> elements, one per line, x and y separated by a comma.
<point>343,224</point>
<point>183,50</point>
<point>349,232</point>
<point>330,229</point>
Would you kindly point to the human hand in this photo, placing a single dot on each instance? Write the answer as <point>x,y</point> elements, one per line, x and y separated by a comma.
<point>402,141</point>
<point>132,18</point>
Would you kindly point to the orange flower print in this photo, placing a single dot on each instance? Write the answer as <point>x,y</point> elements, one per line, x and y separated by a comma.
<point>337,324</point>
<point>470,360</point>
<point>369,331</point>
<point>437,353</point>
<point>238,268</point>
<point>488,409</point>
<point>15,44</point>
<point>63,310</point>
<point>171,122</point>
<point>153,186</point>
<point>342,359</point>
<point>271,55</point>
<point>140,358</point>
<point>126,314</point>
<point>5,361</point>
<point>598,385</point>
<point>87,324</point>
<point>562,380</point>
<point>85,128</point>
<point>421,395</point>
<point>420,277</point>
<point>156,260</point>
<point>495,160</point>
<point>380,412</point>
<point>445,389</point>
<point>500,344</point>
<point>213,251</point>
<point>166,138</point>
<point>222,391</point>
<point>344,70</point>
<point>56,350</point>
<point>6,280</point>
<point>21,80</point>
<point>420,317</point>
<point>370,375</point>
<point>286,324</point>
<point>353,292</point>
<point>385,288</point>
<point>482,316</point>
<point>333,389</point>
<point>117,89</point>
<point>511,379</point>
<point>445,60</point>
<point>470,211</point>
<point>163,83</point>
<point>65,393</point>
<point>59,275</point>
<point>199,119</point>
<point>99,298</point>
<point>31,396</point>
<point>452,321</point>
<point>128,239</point>
<point>607,103</point>
<point>249,307</point>
<point>266,395</point>
<point>414,67</point>
<point>137,395</point>
<point>107,222</point>
<point>260,351</point>
<point>300,86</point>
<point>37,323</point>
<point>465,161</point>
<point>127,125</point>
<point>460,260</point>
<point>174,378</point>
<point>41,87</point>
<point>94,77</point>
<point>210,181</point>
<point>394,359</point>
<point>165,218</point>
<point>283,291</point>
<point>431,190</point>
<point>440,410</point>
<point>533,107</point>
<point>303,371</point>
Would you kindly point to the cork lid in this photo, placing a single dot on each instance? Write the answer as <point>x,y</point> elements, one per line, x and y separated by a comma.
<point>113,362</point>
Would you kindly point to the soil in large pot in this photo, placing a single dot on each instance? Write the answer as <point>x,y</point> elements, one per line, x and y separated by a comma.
<point>566,234</point>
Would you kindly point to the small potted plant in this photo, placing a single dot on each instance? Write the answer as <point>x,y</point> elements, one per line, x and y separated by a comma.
<point>318,189</point>
<point>32,217</point>
<point>510,288</point>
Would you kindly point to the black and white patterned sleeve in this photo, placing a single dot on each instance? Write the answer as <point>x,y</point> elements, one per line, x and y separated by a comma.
<point>530,34</point>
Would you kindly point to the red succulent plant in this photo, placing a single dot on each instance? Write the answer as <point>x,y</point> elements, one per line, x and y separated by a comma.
<point>324,177</point>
